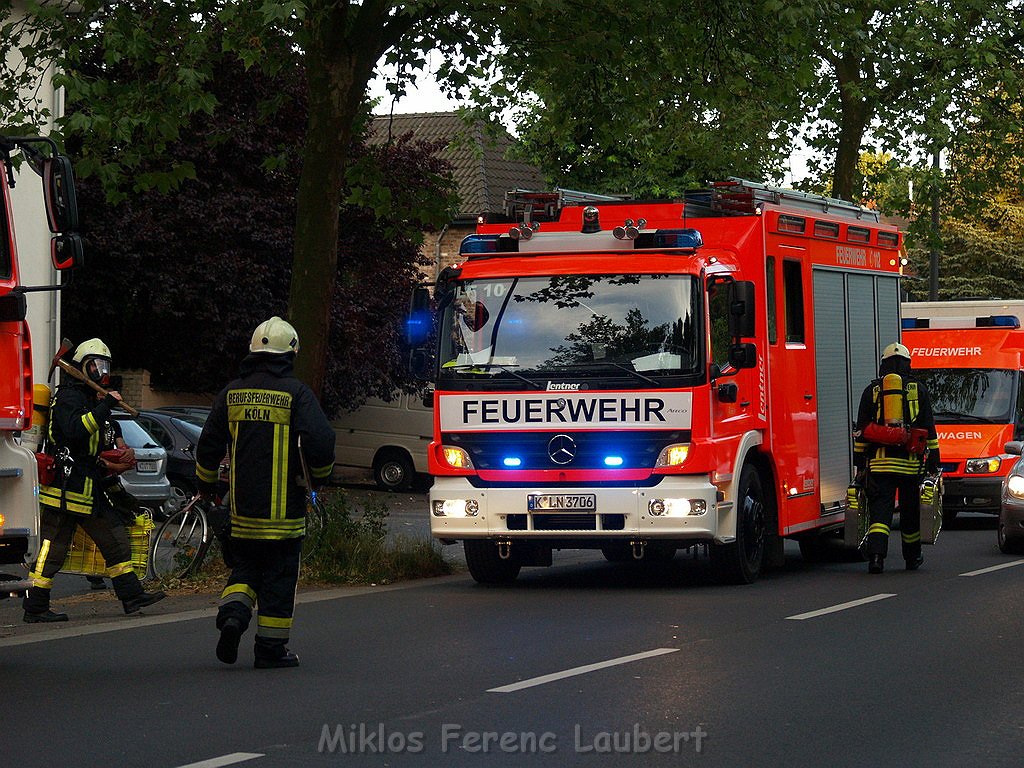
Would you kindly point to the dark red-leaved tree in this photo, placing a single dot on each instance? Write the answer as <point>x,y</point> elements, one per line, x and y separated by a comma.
<point>176,282</point>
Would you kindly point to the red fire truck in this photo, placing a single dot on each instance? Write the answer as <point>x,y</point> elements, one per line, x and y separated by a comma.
<point>19,504</point>
<point>640,377</point>
<point>971,356</point>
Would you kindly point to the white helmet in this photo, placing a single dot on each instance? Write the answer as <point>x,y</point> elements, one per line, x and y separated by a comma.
<point>90,348</point>
<point>275,336</point>
<point>895,350</point>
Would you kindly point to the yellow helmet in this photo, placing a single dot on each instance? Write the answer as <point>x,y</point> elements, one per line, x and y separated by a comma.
<point>275,336</point>
<point>895,350</point>
<point>90,348</point>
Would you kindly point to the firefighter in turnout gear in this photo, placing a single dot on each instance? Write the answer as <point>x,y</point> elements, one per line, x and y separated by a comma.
<point>894,444</point>
<point>258,420</point>
<point>78,432</point>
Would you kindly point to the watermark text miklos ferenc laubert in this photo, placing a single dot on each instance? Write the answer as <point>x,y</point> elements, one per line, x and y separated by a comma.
<point>378,739</point>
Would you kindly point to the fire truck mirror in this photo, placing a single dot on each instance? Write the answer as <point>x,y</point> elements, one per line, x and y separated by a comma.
<point>741,309</point>
<point>1014,447</point>
<point>59,194</point>
<point>742,355</point>
<point>418,324</point>
<point>419,364</point>
<point>66,251</point>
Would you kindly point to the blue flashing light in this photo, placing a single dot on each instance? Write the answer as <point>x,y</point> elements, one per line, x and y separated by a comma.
<point>512,461</point>
<point>678,238</point>
<point>417,328</point>
<point>910,323</point>
<point>479,244</point>
<point>1004,321</point>
<point>613,461</point>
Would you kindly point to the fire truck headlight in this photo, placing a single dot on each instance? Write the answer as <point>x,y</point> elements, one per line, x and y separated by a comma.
<point>455,507</point>
<point>457,458</point>
<point>677,507</point>
<point>983,466</point>
<point>1015,486</point>
<point>673,455</point>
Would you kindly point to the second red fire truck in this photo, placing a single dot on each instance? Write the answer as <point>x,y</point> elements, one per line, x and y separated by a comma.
<point>640,377</point>
<point>19,490</point>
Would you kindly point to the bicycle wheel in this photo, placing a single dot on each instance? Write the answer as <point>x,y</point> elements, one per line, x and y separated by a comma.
<point>181,542</point>
<point>315,523</point>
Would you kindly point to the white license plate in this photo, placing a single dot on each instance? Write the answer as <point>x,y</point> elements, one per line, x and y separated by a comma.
<point>147,466</point>
<point>561,502</point>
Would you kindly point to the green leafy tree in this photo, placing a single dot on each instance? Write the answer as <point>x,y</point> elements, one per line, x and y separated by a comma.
<point>911,80</point>
<point>176,281</point>
<point>128,126</point>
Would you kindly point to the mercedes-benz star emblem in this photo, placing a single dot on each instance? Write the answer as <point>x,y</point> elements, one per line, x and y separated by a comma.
<point>562,449</point>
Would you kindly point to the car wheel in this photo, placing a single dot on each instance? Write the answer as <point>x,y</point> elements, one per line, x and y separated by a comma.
<point>1008,545</point>
<point>393,471</point>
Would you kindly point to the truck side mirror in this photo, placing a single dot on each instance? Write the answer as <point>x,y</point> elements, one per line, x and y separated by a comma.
<point>418,324</point>
<point>742,355</point>
<point>59,194</point>
<point>66,251</point>
<point>419,366</point>
<point>741,309</point>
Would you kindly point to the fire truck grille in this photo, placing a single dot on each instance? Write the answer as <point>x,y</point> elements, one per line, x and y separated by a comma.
<point>567,522</point>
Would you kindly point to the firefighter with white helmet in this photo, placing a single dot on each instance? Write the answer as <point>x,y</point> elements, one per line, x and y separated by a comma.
<point>894,444</point>
<point>79,430</point>
<point>258,419</point>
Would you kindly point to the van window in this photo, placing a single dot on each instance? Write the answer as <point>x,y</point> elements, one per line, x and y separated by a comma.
<point>794,291</point>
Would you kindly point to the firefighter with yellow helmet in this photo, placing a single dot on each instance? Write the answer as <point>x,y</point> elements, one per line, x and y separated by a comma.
<point>79,431</point>
<point>894,445</point>
<point>258,419</point>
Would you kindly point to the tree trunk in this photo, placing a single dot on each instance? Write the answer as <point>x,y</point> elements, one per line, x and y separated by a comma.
<point>334,98</point>
<point>856,112</point>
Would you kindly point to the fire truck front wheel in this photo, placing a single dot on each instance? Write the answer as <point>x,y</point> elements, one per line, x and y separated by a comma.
<point>740,561</point>
<point>486,565</point>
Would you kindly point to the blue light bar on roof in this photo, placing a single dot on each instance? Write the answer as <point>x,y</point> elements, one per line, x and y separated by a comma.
<point>479,244</point>
<point>1002,321</point>
<point>670,238</point>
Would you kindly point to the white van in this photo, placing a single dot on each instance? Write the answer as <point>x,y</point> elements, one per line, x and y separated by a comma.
<point>391,438</point>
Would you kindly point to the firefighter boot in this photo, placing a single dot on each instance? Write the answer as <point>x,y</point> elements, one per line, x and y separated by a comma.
<point>876,564</point>
<point>133,597</point>
<point>230,633</point>
<point>273,655</point>
<point>37,607</point>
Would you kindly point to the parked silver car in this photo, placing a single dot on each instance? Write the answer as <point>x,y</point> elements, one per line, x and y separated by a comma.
<point>147,482</point>
<point>1010,531</point>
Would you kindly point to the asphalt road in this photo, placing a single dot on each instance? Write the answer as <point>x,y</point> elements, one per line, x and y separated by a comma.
<point>585,663</point>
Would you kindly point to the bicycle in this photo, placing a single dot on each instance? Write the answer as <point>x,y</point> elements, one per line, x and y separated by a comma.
<point>185,539</point>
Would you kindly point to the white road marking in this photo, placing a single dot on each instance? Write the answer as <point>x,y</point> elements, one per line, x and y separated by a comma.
<point>993,568</point>
<point>533,681</point>
<point>840,607</point>
<point>217,762</point>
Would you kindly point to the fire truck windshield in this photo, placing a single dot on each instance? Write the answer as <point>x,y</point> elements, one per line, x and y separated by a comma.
<point>971,395</point>
<point>637,326</point>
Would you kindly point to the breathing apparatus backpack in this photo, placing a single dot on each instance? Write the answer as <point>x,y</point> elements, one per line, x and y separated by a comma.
<point>895,408</point>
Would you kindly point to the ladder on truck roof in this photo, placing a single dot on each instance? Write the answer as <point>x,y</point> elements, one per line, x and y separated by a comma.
<point>544,206</point>
<point>739,196</point>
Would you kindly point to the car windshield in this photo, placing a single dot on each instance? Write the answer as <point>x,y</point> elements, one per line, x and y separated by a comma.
<point>640,326</point>
<point>135,436</point>
<point>970,395</point>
